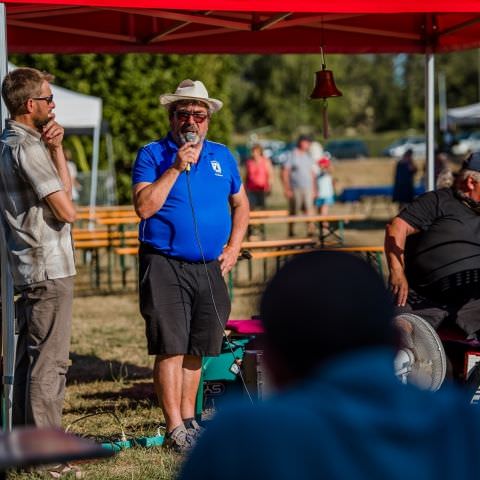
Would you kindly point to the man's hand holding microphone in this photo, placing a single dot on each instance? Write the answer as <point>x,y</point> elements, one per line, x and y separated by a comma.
<point>189,152</point>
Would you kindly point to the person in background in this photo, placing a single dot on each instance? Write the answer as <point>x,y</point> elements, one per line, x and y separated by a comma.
<point>188,192</point>
<point>325,192</point>
<point>403,186</point>
<point>37,212</point>
<point>258,183</point>
<point>339,412</point>
<point>258,178</point>
<point>443,173</point>
<point>298,178</point>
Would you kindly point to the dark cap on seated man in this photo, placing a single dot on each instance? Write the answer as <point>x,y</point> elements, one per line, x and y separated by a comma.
<point>320,305</point>
<point>472,162</point>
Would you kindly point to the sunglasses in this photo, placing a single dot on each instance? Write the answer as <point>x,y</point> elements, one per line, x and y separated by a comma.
<point>184,115</point>
<point>48,99</point>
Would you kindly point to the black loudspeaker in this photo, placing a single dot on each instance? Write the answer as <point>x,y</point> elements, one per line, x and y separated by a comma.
<point>255,375</point>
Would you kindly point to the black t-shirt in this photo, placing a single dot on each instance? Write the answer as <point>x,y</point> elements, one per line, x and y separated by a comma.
<point>448,241</point>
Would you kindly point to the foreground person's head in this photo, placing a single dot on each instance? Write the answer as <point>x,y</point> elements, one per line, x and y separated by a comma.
<point>320,305</point>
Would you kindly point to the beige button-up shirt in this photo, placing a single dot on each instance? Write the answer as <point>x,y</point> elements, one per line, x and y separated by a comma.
<point>39,246</point>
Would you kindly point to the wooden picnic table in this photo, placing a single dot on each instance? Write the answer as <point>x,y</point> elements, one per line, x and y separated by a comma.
<point>128,219</point>
<point>104,214</point>
<point>104,208</point>
<point>254,246</point>
<point>372,253</point>
<point>267,213</point>
<point>118,221</point>
<point>329,226</point>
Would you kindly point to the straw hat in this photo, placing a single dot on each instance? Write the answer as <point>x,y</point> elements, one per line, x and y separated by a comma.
<point>191,90</point>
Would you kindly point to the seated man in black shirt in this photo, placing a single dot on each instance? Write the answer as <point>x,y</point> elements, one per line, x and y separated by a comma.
<point>433,252</point>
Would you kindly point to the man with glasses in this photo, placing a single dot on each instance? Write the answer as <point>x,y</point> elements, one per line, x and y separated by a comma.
<point>36,211</point>
<point>194,211</point>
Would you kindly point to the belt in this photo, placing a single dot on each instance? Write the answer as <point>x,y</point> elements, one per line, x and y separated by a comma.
<point>146,249</point>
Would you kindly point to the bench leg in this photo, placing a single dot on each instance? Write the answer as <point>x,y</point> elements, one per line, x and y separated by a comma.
<point>97,268</point>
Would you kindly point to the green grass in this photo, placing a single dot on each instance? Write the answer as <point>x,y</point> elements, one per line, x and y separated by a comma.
<point>110,389</point>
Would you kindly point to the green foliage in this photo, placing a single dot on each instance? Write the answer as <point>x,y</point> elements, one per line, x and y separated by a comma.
<point>80,155</point>
<point>267,94</point>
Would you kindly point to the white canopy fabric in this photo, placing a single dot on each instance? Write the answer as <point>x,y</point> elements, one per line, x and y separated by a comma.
<point>467,115</point>
<point>75,110</point>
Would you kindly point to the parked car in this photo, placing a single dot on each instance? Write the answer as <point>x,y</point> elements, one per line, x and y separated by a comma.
<point>471,143</point>
<point>271,149</point>
<point>351,148</point>
<point>399,147</point>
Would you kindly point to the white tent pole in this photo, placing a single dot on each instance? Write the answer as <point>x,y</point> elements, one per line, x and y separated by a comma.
<point>442,101</point>
<point>8,316</point>
<point>429,118</point>
<point>95,159</point>
<point>112,192</point>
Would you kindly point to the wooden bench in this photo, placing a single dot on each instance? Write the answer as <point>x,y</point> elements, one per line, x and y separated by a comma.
<point>87,240</point>
<point>268,213</point>
<point>105,214</point>
<point>278,244</point>
<point>329,226</point>
<point>261,245</point>
<point>257,245</point>
<point>129,213</point>
<point>104,208</point>
<point>104,243</point>
<point>373,254</point>
<point>85,234</point>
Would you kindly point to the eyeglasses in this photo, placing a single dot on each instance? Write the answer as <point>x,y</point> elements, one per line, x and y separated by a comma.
<point>48,99</point>
<point>184,115</point>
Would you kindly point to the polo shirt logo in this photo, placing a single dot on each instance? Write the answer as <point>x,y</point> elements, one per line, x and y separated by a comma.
<point>217,168</point>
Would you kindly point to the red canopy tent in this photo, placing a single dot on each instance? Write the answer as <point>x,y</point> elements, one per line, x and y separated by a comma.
<point>242,26</point>
<point>231,26</point>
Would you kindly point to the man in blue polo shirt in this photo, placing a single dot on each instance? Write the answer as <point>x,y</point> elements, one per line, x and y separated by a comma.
<point>194,210</point>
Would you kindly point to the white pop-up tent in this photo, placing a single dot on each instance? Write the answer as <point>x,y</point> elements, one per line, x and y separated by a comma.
<point>81,114</point>
<point>467,115</point>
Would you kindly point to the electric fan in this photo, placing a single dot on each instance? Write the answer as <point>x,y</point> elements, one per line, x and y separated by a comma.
<point>421,359</point>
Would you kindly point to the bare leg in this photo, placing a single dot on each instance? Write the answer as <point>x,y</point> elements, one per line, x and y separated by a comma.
<point>324,211</point>
<point>292,210</point>
<point>168,380</point>
<point>192,369</point>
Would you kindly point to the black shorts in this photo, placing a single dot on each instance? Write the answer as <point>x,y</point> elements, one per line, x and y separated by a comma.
<point>176,303</point>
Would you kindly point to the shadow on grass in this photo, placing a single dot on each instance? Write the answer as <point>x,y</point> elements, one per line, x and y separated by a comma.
<point>88,368</point>
<point>137,392</point>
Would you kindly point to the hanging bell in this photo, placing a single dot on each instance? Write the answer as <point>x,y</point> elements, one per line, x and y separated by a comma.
<point>325,85</point>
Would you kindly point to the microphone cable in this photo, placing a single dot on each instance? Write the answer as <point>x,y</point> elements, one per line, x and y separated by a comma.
<point>199,244</point>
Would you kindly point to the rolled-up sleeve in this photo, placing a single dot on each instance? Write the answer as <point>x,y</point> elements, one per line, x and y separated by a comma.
<point>38,168</point>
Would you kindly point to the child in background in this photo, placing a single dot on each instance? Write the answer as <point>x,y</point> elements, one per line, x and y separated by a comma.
<point>325,191</point>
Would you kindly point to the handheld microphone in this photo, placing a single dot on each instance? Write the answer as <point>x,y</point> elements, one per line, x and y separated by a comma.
<point>190,137</point>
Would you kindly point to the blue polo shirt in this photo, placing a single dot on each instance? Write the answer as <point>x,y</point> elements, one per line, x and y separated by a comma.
<point>173,229</point>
